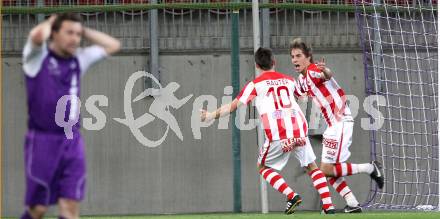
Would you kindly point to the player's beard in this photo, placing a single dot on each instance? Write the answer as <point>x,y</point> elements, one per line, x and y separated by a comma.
<point>71,49</point>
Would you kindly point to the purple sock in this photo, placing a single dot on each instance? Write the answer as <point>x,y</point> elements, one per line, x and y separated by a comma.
<point>26,215</point>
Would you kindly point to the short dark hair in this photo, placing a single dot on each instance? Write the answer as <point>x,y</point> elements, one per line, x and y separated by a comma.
<point>65,17</point>
<point>298,43</point>
<point>264,58</point>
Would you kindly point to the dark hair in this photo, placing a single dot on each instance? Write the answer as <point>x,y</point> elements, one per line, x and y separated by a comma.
<point>297,43</point>
<point>264,58</point>
<point>65,17</point>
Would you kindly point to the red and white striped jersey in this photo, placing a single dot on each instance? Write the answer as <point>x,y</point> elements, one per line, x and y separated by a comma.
<point>329,96</point>
<point>280,114</point>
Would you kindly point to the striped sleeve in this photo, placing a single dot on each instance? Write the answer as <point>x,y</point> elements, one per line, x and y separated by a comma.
<point>316,76</point>
<point>298,90</point>
<point>248,93</point>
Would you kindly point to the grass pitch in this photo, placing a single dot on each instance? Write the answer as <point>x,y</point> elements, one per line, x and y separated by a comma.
<point>297,215</point>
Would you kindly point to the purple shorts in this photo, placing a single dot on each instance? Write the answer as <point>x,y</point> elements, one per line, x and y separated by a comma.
<point>55,167</point>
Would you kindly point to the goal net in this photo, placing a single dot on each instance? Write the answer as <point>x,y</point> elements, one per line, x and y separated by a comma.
<point>399,39</point>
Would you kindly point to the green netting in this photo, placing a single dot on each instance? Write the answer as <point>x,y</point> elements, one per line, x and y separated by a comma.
<point>195,6</point>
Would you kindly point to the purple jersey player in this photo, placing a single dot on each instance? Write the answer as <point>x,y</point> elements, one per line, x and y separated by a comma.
<point>53,65</point>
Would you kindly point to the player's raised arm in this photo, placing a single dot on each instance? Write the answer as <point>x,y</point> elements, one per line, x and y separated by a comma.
<point>40,33</point>
<point>246,95</point>
<point>224,110</point>
<point>325,70</point>
<point>35,49</point>
<point>110,44</point>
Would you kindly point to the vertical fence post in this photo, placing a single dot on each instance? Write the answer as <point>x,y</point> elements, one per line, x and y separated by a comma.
<point>154,50</point>
<point>235,78</point>
<point>260,134</point>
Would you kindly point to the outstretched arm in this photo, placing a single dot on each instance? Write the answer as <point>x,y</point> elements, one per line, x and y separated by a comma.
<point>220,112</point>
<point>40,33</point>
<point>110,44</point>
<point>325,71</point>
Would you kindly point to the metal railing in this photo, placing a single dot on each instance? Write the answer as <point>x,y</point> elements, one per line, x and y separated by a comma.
<point>196,29</point>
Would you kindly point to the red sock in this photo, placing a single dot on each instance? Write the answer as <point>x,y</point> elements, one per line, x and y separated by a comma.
<point>343,169</point>
<point>342,188</point>
<point>320,184</point>
<point>340,185</point>
<point>277,182</point>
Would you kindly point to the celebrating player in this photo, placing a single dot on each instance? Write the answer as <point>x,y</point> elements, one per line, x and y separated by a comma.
<point>285,128</point>
<point>317,81</point>
<point>53,65</point>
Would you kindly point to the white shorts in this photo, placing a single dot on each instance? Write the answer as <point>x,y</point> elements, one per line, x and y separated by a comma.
<point>336,142</point>
<point>272,155</point>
